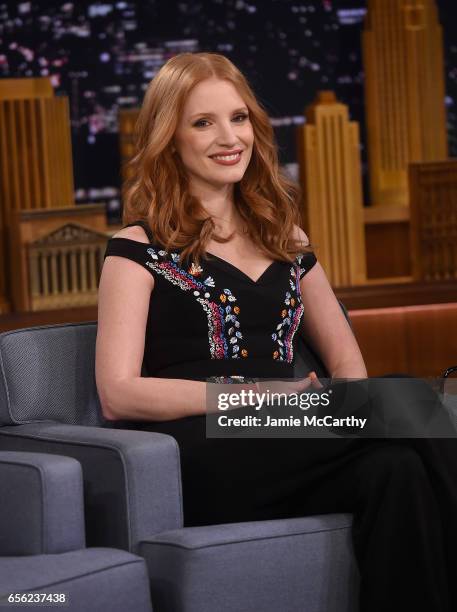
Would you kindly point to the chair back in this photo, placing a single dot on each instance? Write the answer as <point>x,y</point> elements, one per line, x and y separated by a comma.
<point>48,374</point>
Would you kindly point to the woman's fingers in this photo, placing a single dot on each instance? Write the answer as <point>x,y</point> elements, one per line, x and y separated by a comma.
<point>310,381</point>
<point>304,383</point>
<point>297,386</point>
<point>315,381</point>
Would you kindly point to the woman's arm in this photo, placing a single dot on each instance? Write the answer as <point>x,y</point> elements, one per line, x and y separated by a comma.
<point>123,304</point>
<point>325,327</point>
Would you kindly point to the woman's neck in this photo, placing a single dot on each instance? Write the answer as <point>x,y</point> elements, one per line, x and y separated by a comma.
<point>221,207</point>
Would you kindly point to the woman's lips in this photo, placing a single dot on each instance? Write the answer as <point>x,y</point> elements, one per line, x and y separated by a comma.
<point>227,160</point>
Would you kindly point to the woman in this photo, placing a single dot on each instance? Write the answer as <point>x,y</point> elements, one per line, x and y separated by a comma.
<point>213,278</point>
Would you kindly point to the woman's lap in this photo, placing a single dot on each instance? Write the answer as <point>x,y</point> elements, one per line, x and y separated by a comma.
<point>274,477</point>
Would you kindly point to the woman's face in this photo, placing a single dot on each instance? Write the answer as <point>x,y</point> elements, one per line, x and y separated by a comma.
<point>214,137</point>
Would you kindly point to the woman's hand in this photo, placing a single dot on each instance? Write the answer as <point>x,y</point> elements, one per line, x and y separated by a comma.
<point>241,395</point>
<point>289,387</point>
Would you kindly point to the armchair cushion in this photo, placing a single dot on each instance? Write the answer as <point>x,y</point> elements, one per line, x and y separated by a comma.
<point>291,564</point>
<point>132,479</point>
<point>41,507</point>
<point>42,540</point>
<point>99,579</point>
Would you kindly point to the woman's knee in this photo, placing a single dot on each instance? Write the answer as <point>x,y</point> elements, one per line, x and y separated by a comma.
<point>394,461</point>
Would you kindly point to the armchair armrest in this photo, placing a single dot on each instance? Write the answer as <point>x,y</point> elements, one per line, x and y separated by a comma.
<point>132,479</point>
<point>42,509</point>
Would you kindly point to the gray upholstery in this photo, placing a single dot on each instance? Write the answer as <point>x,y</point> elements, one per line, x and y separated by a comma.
<point>95,579</point>
<point>42,540</point>
<point>132,492</point>
<point>51,375</point>
<point>132,479</point>
<point>294,564</point>
<point>41,507</point>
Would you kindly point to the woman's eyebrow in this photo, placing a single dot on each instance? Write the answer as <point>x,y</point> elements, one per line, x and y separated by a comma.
<point>208,114</point>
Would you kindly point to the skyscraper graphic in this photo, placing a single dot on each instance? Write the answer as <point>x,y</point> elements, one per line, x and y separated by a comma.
<point>433,189</point>
<point>35,157</point>
<point>404,96</point>
<point>329,156</point>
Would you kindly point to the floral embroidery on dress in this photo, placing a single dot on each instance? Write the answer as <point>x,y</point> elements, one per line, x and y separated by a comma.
<point>290,317</point>
<point>231,319</point>
<point>195,270</point>
<point>223,340</point>
<point>301,270</point>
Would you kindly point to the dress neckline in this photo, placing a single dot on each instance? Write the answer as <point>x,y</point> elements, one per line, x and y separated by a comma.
<point>224,264</point>
<point>231,267</point>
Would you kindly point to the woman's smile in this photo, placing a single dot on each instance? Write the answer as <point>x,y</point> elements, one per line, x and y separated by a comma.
<point>215,119</point>
<point>227,159</point>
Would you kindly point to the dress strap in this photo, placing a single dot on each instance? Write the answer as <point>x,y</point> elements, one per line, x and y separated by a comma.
<point>145,226</point>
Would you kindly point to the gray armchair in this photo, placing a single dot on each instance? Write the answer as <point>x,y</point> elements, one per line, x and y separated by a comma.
<point>132,489</point>
<point>42,542</point>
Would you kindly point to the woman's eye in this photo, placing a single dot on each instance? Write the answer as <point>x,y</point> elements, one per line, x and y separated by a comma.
<point>238,119</point>
<point>200,123</point>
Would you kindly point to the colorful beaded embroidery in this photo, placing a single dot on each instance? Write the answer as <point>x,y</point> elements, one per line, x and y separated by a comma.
<point>283,336</point>
<point>223,340</point>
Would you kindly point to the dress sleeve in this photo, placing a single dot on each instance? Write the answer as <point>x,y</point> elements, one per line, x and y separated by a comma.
<point>130,249</point>
<point>305,262</point>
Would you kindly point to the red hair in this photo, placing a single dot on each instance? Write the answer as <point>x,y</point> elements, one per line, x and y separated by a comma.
<point>158,191</point>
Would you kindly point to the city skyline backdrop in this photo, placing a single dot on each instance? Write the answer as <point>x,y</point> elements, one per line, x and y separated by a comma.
<point>102,55</point>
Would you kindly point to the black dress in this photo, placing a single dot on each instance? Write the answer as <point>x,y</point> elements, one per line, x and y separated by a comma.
<point>214,321</point>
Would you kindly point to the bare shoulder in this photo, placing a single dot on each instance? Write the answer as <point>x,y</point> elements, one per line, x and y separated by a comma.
<point>135,232</point>
<point>124,268</point>
<point>299,234</point>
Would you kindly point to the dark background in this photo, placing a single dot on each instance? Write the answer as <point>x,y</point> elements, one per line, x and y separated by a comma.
<point>103,54</point>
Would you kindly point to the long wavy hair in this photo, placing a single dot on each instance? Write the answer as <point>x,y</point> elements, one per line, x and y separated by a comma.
<point>158,190</point>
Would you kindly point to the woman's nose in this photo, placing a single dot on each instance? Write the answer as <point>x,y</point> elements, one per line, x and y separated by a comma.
<point>226,134</point>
